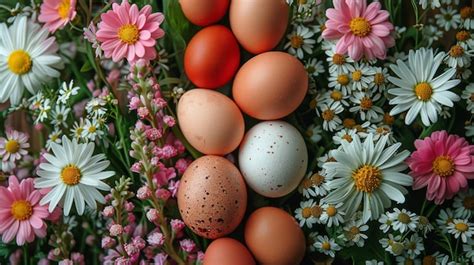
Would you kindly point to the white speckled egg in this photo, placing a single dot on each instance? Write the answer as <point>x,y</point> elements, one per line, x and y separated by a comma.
<point>273,158</point>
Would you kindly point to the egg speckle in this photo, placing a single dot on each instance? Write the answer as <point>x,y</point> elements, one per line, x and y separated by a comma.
<point>273,158</point>
<point>212,197</point>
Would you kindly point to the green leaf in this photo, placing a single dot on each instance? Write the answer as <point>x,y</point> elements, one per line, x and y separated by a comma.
<point>86,67</point>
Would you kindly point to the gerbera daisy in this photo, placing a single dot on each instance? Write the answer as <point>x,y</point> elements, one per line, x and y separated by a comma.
<point>461,228</point>
<point>443,163</point>
<point>326,246</point>
<point>12,148</point>
<point>126,32</point>
<point>27,59</point>
<point>300,41</point>
<point>367,174</point>
<point>361,30</point>
<point>418,90</point>
<point>464,204</point>
<point>74,175</point>
<point>57,13</point>
<point>21,215</point>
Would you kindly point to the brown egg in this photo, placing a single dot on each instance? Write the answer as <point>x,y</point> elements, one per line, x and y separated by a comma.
<point>227,251</point>
<point>204,12</point>
<point>210,121</point>
<point>274,237</point>
<point>212,197</point>
<point>258,25</point>
<point>270,86</point>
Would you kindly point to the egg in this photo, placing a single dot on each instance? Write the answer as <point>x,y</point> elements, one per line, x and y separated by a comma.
<point>211,122</point>
<point>273,158</point>
<point>274,237</point>
<point>270,86</point>
<point>227,251</point>
<point>212,57</point>
<point>204,12</point>
<point>212,197</point>
<point>258,25</point>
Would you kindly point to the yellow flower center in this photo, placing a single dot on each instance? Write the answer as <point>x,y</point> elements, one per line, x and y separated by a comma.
<point>463,35</point>
<point>306,184</point>
<point>71,175</point>
<point>326,245</point>
<point>404,218</point>
<point>388,119</point>
<point>379,79</point>
<point>424,220</point>
<point>360,26</point>
<point>317,179</point>
<point>366,103</point>
<point>461,227</point>
<point>354,231</point>
<point>429,260</point>
<point>468,202</point>
<point>423,91</point>
<point>466,12</point>
<point>367,178</point>
<point>311,69</point>
<point>328,115</point>
<point>12,146</point>
<point>471,98</point>
<point>443,166</point>
<point>456,51</point>
<point>302,2</point>
<point>92,129</point>
<point>313,103</point>
<point>129,34</point>
<point>336,95</point>
<point>349,123</point>
<point>306,213</point>
<point>359,128</point>
<point>338,59</point>
<point>21,210</point>
<point>347,137</point>
<point>316,211</point>
<point>63,9</point>
<point>343,79</point>
<point>296,41</point>
<point>357,75</point>
<point>19,62</point>
<point>331,210</point>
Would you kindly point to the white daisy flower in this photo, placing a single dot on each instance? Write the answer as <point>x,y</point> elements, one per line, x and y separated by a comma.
<point>433,4</point>
<point>329,113</point>
<point>67,91</point>
<point>27,59</point>
<point>314,133</point>
<point>77,129</point>
<point>367,174</point>
<point>404,220</point>
<point>374,262</point>
<point>463,73</point>
<point>344,135</point>
<point>341,82</point>
<point>314,184</point>
<point>468,95</point>
<point>304,214</point>
<point>327,157</point>
<point>403,259</point>
<point>461,228</point>
<point>468,249</point>
<point>95,107</point>
<point>380,131</point>
<point>354,232</point>
<point>445,217</point>
<point>464,38</point>
<point>12,148</point>
<point>414,246</point>
<point>74,174</point>
<point>464,204</point>
<point>424,225</point>
<point>335,95</point>
<point>448,18</point>
<point>386,221</point>
<point>162,60</point>
<point>437,258</point>
<point>54,137</point>
<point>431,34</point>
<point>317,99</point>
<point>319,28</point>
<point>92,130</point>
<point>380,78</point>
<point>458,57</point>
<point>392,244</point>
<point>332,214</point>
<point>467,17</point>
<point>59,115</point>
<point>300,41</point>
<point>311,239</point>
<point>418,90</point>
<point>314,67</point>
<point>326,246</point>
<point>338,63</point>
<point>43,111</point>
<point>364,103</point>
<point>361,76</point>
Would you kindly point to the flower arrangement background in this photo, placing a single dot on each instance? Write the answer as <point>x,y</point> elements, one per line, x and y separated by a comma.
<point>349,120</point>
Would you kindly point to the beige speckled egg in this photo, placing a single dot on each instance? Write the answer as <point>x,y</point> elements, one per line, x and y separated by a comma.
<point>212,197</point>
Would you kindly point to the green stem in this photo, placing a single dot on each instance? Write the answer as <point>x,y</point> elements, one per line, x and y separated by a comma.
<point>25,254</point>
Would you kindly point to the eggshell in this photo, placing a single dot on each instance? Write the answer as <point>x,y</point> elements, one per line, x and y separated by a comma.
<point>212,197</point>
<point>212,57</point>
<point>210,121</point>
<point>204,12</point>
<point>270,85</point>
<point>227,251</point>
<point>273,158</point>
<point>258,25</point>
<point>274,237</point>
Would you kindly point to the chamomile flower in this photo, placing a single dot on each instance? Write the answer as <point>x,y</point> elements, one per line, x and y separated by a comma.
<point>380,79</point>
<point>310,240</point>
<point>464,204</point>
<point>338,63</point>
<point>73,174</point>
<point>332,214</point>
<point>437,258</point>
<point>314,133</point>
<point>327,157</point>
<point>373,262</point>
<point>433,4</point>
<point>43,110</point>
<point>448,18</point>
<point>468,95</point>
<point>364,104</point>
<point>354,232</point>
<point>314,184</point>
<point>382,130</point>
<point>404,259</point>
<point>77,129</point>
<point>386,221</point>
<point>314,67</point>
<point>418,90</point>
<point>431,34</point>
<point>445,217</point>
<point>67,91</point>
<point>300,41</point>
<point>95,107</point>
<point>344,135</point>
<point>361,76</point>
<point>326,246</point>
<point>424,225</point>
<point>368,174</point>
<point>392,244</point>
<point>464,38</point>
<point>59,115</point>
<point>461,228</point>
<point>54,137</point>
<point>458,56</point>
<point>414,246</point>
<point>92,130</point>
<point>329,113</point>
<point>13,148</point>
<point>335,95</point>
<point>303,214</point>
<point>467,17</point>
<point>468,248</point>
<point>404,220</point>
<point>341,82</point>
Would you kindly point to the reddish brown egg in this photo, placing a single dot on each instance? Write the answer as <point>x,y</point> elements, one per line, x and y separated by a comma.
<point>204,12</point>
<point>274,237</point>
<point>212,197</point>
<point>227,251</point>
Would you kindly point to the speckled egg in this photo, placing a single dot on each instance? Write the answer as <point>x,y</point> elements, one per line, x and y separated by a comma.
<point>273,158</point>
<point>212,197</point>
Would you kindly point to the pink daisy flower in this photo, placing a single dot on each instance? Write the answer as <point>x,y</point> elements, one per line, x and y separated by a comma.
<point>126,32</point>
<point>57,13</point>
<point>13,148</point>
<point>443,163</point>
<point>361,30</point>
<point>21,215</point>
